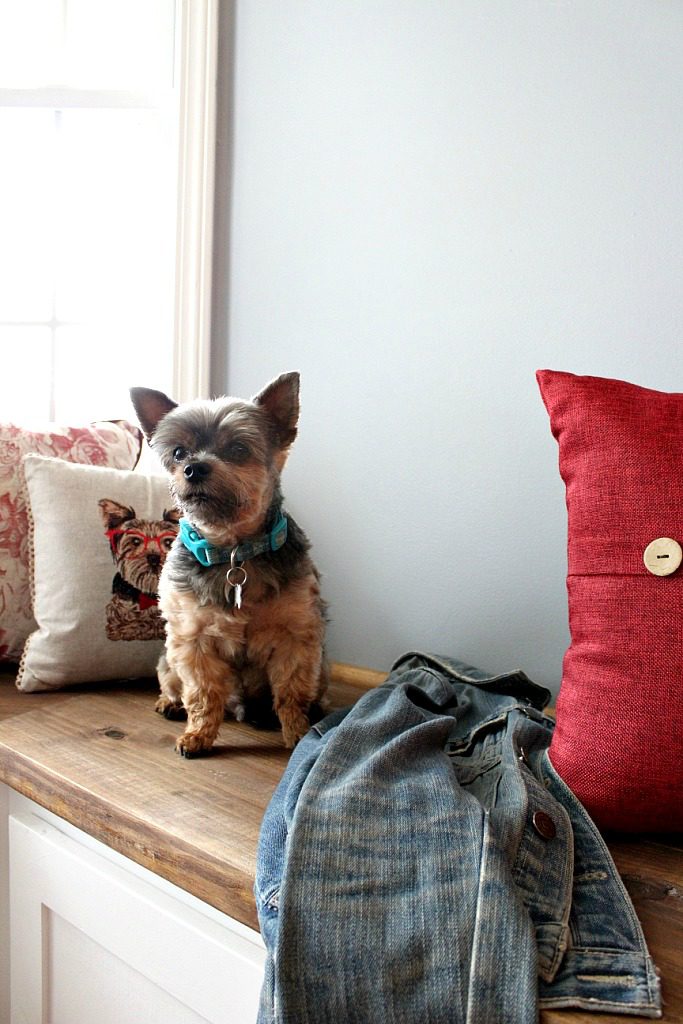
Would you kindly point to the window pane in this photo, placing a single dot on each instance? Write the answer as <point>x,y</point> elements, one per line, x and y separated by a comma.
<point>30,42</point>
<point>25,369</point>
<point>87,205</point>
<point>115,216</point>
<point>122,45</point>
<point>88,44</point>
<point>27,190</point>
<point>95,367</point>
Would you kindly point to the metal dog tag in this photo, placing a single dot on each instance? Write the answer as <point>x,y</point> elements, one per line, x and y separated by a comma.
<point>235,578</point>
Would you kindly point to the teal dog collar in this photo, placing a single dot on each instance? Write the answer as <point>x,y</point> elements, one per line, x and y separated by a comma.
<point>208,555</point>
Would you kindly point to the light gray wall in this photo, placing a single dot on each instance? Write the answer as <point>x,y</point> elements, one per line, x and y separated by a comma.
<point>422,203</point>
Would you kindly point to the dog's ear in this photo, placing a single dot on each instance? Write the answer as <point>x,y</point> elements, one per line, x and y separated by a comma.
<point>280,399</point>
<point>113,514</point>
<point>151,407</point>
<point>172,515</point>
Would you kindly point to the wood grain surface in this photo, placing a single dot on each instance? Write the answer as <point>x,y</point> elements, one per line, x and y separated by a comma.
<point>104,761</point>
<point>100,758</point>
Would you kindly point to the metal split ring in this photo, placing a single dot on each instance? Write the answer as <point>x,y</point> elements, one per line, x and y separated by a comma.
<point>236,582</point>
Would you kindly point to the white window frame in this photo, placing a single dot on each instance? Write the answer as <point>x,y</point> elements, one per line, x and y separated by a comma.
<point>196,75</point>
<point>195,97</point>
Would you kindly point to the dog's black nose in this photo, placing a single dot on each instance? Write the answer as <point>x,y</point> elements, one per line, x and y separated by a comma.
<point>154,561</point>
<point>197,471</point>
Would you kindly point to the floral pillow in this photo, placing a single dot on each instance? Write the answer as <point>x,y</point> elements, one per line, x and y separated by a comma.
<point>113,444</point>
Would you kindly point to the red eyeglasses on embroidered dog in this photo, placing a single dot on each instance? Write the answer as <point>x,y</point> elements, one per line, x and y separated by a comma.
<point>139,548</point>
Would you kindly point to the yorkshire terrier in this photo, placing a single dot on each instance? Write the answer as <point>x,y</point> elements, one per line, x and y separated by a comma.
<point>139,548</point>
<point>239,591</point>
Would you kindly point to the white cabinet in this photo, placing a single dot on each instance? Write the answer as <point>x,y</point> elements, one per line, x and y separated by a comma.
<point>4,905</point>
<point>96,939</point>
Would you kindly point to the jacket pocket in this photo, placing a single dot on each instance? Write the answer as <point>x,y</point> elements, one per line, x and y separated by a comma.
<point>481,777</point>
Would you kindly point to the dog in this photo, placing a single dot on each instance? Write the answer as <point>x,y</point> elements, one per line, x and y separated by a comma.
<point>139,548</point>
<point>239,591</point>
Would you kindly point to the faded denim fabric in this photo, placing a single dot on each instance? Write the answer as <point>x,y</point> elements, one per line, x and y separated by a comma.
<point>422,863</point>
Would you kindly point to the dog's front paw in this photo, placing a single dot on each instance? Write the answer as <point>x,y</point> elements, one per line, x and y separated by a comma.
<point>193,744</point>
<point>295,725</point>
<point>171,709</point>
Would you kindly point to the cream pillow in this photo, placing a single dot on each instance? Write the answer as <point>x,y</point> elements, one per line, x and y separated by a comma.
<point>98,539</point>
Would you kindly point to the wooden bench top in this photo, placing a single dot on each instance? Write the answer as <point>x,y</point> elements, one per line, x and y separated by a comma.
<point>100,758</point>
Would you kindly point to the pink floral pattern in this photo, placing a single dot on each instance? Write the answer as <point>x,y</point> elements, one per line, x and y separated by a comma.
<point>115,444</point>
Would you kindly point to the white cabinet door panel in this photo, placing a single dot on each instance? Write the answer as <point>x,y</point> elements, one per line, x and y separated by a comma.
<point>4,906</point>
<point>85,982</point>
<point>92,943</point>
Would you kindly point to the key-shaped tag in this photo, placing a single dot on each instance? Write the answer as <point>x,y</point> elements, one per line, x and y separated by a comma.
<point>235,579</point>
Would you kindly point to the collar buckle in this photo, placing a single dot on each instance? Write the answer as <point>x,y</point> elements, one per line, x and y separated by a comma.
<point>208,555</point>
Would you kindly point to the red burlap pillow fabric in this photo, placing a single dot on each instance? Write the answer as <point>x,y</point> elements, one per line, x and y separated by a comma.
<point>618,743</point>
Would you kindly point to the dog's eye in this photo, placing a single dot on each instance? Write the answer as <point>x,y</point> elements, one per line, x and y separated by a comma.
<point>237,451</point>
<point>167,543</point>
<point>179,453</point>
<point>136,542</point>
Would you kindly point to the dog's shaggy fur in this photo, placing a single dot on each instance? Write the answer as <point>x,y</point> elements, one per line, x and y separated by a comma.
<point>224,458</point>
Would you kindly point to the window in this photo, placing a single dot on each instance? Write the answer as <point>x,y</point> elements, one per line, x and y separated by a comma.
<point>106,198</point>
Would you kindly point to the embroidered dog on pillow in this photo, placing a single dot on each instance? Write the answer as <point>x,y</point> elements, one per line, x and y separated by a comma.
<point>139,548</point>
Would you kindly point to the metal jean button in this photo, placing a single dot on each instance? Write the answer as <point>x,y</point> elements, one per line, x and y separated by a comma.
<point>544,825</point>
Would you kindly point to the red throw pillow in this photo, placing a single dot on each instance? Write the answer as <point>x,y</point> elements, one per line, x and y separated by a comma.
<point>618,743</point>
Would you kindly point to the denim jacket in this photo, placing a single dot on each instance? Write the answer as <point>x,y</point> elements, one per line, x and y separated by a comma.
<point>422,863</point>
